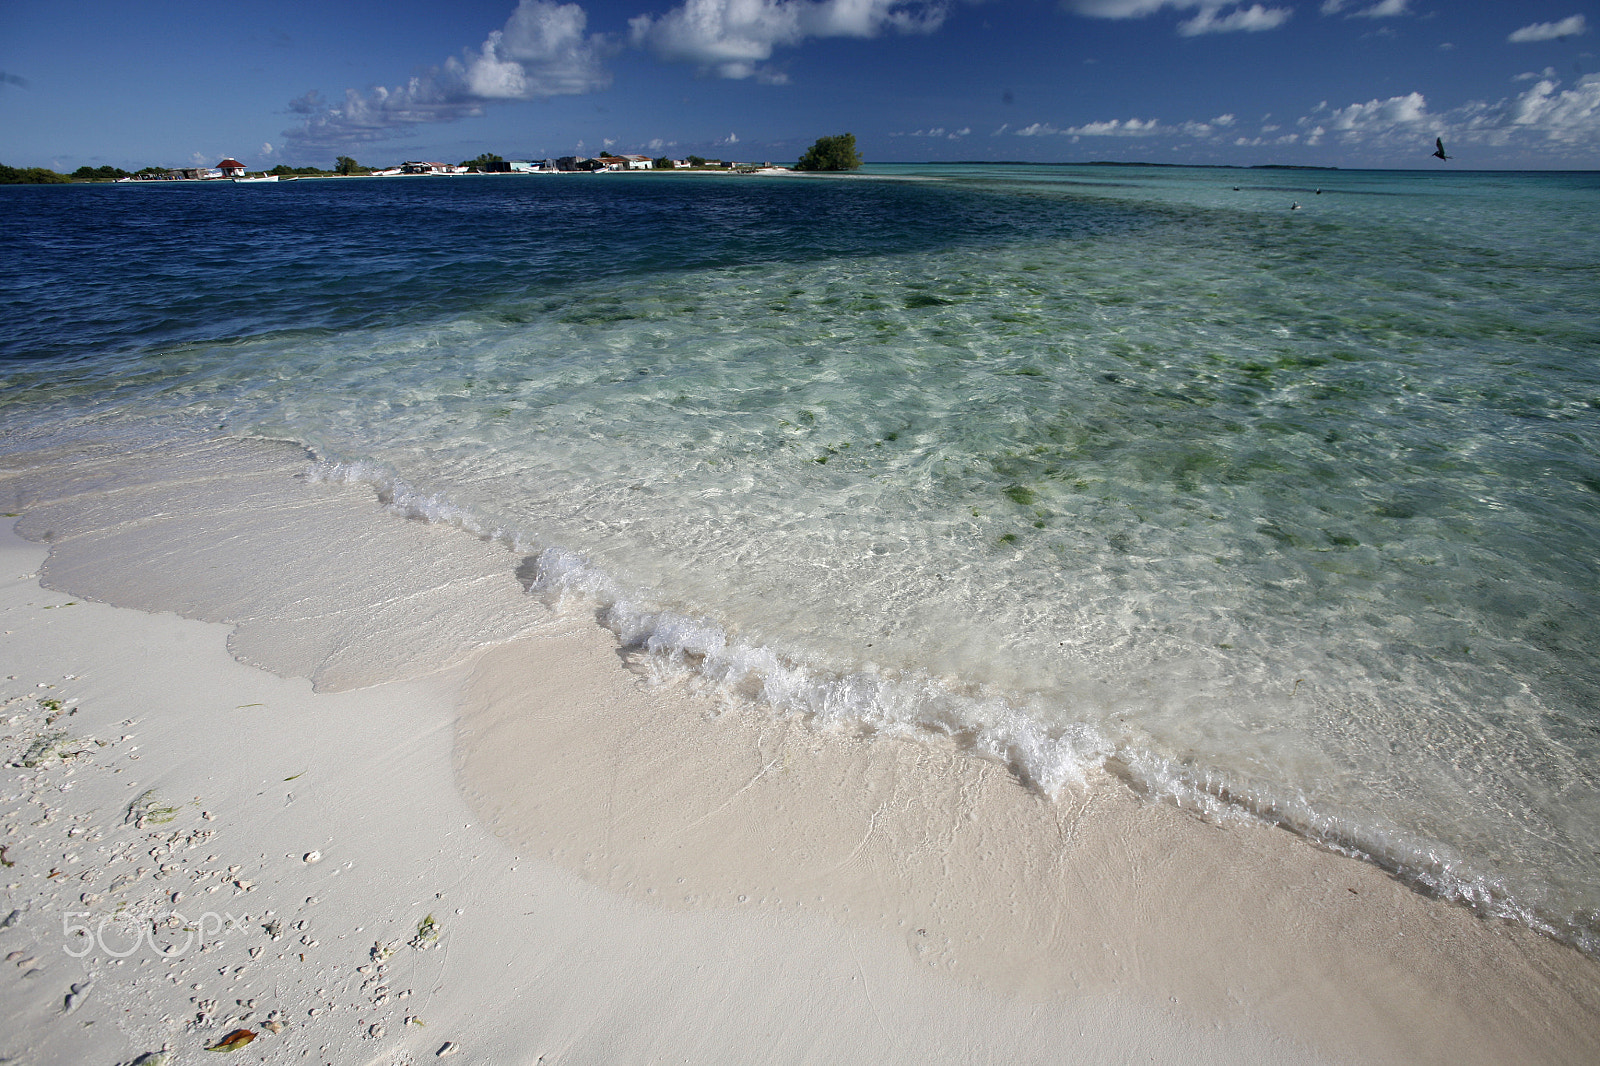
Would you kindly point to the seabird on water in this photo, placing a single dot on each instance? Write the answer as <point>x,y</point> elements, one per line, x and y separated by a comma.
<point>1438,149</point>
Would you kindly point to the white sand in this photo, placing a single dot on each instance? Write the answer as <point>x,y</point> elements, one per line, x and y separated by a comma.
<point>617,873</point>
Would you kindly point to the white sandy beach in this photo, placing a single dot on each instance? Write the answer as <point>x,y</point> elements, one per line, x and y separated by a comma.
<point>280,760</point>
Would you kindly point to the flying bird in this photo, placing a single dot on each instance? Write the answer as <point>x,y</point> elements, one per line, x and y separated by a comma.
<point>1438,149</point>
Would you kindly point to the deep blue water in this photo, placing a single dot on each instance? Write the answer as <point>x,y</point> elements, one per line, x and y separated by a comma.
<point>120,267</point>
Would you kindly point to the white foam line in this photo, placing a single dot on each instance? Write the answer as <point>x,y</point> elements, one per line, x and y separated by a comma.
<point>989,725</point>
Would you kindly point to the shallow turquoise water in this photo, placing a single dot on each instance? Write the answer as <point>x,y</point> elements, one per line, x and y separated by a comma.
<point>1288,512</point>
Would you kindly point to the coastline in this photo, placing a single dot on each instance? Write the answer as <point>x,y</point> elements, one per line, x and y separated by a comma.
<point>617,872</point>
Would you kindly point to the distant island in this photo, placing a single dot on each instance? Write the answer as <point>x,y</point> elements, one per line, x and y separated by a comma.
<point>828,153</point>
<point>347,167</point>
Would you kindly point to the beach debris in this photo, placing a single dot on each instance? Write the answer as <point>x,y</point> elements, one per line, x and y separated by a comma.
<point>427,934</point>
<point>312,857</point>
<point>76,996</point>
<point>42,748</point>
<point>153,1058</point>
<point>3,860</point>
<point>233,1041</point>
<point>274,929</point>
<point>147,810</point>
<point>10,919</point>
<point>449,1047</point>
<point>381,951</point>
<point>273,1027</point>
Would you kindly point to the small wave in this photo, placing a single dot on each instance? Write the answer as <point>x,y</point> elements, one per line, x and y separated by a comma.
<point>914,706</point>
<point>998,726</point>
<point>402,499</point>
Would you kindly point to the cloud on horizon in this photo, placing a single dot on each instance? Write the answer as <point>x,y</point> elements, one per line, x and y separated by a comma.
<point>735,38</point>
<point>1543,116</point>
<point>540,52</point>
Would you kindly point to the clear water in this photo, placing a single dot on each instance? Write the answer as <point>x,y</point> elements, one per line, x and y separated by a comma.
<point>1285,513</point>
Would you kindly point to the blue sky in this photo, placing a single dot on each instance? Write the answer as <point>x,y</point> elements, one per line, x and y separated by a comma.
<point>1350,83</point>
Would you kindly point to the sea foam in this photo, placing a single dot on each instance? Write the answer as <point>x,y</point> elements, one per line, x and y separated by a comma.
<point>1043,751</point>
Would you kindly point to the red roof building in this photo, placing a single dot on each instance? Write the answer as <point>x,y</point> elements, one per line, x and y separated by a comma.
<point>231,168</point>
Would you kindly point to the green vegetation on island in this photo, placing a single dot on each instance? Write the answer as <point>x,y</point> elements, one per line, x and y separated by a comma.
<point>831,153</point>
<point>29,176</point>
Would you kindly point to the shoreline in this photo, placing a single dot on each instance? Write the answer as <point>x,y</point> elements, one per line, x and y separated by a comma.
<point>485,756</point>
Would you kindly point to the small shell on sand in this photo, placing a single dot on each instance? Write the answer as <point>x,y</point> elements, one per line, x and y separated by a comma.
<point>313,856</point>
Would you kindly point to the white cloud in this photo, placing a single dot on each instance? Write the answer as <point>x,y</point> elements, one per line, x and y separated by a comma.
<point>734,38</point>
<point>1385,114</point>
<point>266,148</point>
<point>1569,117</point>
<point>541,51</point>
<point>1571,26</point>
<point>938,132</point>
<point>1252,19</point>
<point>1209,18</point>
<point>1548,72</point>
<point>1124,9</point>
<point>1383,9</point>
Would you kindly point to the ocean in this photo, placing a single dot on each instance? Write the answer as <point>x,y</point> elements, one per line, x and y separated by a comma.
<point>1118,475</point>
